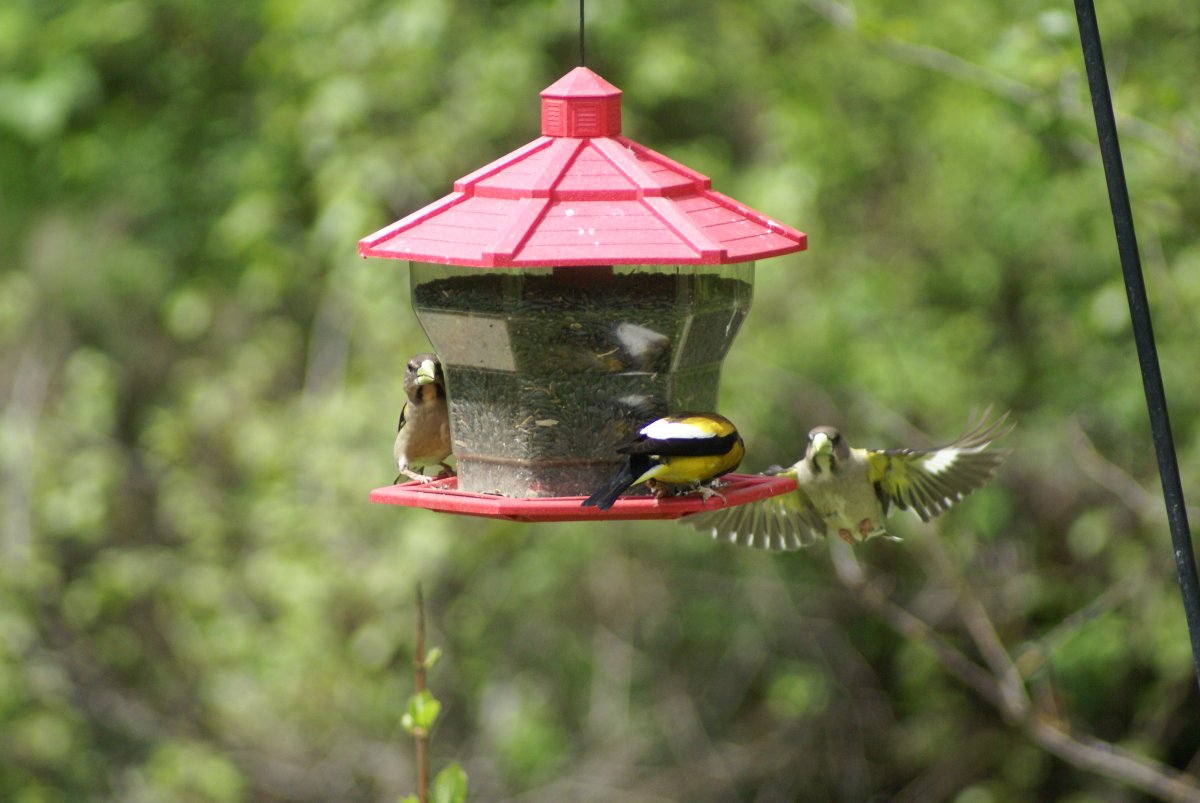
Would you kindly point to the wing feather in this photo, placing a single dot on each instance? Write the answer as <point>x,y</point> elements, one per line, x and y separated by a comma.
<point>781,523</point>
<point>930,481</point>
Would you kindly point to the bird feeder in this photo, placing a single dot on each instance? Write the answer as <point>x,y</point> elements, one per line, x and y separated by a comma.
<point>576,289</point>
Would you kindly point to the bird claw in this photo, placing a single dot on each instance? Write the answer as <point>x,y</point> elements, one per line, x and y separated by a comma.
<point>865,531</point>
<point>708,492</point>
<point>661,490</point>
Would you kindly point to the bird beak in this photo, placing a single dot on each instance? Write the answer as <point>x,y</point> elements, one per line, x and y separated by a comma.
<point>821,452</point>
<point>426,373</point>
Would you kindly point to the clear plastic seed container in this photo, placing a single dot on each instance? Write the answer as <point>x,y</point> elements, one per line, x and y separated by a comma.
<point>548,371</point>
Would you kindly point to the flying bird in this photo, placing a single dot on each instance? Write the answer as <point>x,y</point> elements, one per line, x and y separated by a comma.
<point>423,436</point>
<point>848,492</point>
<point>688,450</point>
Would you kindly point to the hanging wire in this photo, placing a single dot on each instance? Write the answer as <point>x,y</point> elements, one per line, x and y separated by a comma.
<point>582,60</point>
<point>1139,310</point>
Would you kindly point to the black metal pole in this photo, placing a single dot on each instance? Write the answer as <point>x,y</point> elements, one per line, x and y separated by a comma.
<point>582,52</point>
<point>1139,311</point>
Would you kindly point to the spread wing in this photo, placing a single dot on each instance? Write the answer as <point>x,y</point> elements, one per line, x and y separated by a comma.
<point>785,522</point>
<point>929,481</point>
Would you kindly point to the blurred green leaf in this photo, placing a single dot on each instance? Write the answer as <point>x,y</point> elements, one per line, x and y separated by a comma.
<point>800,691</point>
<point>450,785</point>
<point>421,714</point>
<point>431,657</point>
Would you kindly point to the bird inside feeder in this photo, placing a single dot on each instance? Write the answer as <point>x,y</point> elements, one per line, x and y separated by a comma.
<point>575,290</point>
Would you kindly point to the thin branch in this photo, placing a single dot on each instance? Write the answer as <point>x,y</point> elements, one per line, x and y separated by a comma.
<point>1031,656</point>
<point>1051,734</point>
<point>948,64</point>
<point>912,627</point>
<point>419,674</point>
<point>1107,759</point>
<point>1104,472</point>
<point>842,15</point>
<point>982,631</point>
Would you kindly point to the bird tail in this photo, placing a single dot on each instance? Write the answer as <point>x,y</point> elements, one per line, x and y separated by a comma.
<point>630,472</point>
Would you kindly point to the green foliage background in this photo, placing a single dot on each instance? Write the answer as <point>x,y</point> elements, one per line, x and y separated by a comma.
<point>199,383</point>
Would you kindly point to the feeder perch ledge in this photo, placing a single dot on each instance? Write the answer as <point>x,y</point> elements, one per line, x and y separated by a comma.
<point>443,496</point>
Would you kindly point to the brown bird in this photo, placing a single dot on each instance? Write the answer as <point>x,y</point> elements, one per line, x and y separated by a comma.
<point>423,436</point>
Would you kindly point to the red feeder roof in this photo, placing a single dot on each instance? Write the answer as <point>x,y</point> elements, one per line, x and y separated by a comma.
<point>581,194</point>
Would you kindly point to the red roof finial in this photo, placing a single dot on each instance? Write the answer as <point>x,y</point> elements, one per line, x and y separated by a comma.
<point>581,104</point>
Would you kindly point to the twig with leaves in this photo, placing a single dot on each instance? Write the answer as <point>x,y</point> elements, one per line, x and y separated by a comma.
<point>450,785</point>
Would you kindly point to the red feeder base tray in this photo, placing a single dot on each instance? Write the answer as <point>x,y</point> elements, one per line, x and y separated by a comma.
<point>444,497</point>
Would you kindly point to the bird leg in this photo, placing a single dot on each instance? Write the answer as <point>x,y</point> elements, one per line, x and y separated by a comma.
<point>413,475</point>
<point>447,471</point>
<point>845,535</point>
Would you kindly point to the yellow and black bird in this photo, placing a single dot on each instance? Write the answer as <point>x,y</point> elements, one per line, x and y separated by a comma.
<point>848,491</point>
<point>423,437</point>
<point>688,450</point>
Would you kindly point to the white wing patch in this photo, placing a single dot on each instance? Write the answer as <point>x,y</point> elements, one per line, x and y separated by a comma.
<point>663,429</point>
<point>940,461</point>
